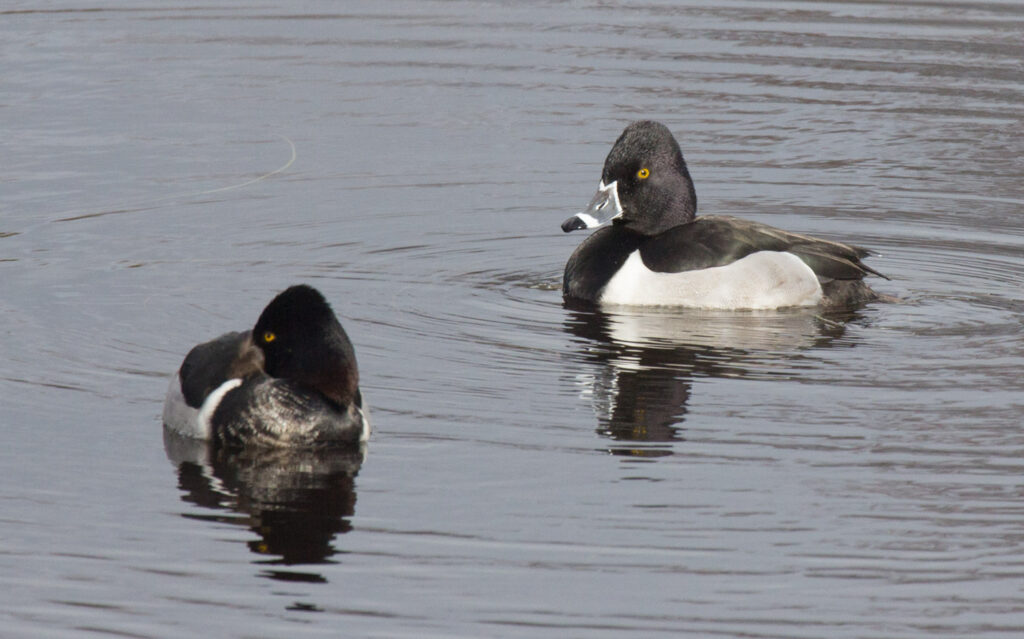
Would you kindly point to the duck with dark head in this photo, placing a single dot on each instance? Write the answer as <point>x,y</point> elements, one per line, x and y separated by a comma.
<point>657,252</point>
<point>291,381</point>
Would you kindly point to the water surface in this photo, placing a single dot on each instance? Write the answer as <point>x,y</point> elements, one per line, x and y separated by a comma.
<point>535,470</point>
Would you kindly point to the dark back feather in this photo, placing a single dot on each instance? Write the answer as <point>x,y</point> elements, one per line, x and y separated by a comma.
<point>721,240</point>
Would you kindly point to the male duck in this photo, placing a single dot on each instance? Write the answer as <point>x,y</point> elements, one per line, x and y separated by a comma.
<point>657,253</point>
<point>291,381</point>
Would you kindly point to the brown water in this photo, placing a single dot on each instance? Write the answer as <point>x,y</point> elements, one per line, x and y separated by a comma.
<point>535,471</point>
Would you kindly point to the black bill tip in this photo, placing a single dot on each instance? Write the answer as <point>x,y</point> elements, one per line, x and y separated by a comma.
<point>574,223</point>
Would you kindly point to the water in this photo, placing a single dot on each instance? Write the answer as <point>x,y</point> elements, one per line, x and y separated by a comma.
<point>535,470</point>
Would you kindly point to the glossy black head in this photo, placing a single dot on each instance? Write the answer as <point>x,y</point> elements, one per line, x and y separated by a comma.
<point>302,340</point>
<point>653,184</point>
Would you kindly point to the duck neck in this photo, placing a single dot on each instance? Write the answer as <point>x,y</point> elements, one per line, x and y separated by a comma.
<point>676,206</point>
<point>339,387</point>
<point>337,376</point>
<point>684,200</point>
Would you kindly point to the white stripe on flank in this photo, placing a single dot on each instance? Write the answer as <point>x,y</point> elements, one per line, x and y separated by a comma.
<point>762,280</point>
<point>205,426</point>
<point>365,414</point>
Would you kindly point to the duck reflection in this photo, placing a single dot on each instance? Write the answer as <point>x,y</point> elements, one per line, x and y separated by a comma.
<point>296,501</point>
<point>646,359</point>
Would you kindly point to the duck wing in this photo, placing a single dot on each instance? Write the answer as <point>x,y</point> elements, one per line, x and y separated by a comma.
<point>210,364</point>
<point>721,240</point>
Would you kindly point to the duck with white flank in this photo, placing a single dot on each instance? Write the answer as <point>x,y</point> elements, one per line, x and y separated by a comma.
<point>291,381</point>
<point>657,252</point>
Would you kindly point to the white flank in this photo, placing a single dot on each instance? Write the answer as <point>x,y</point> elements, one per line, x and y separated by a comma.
<point>762,280</point>
<point>204,425</point>
<point>187,421</point>
<point>179,416</point>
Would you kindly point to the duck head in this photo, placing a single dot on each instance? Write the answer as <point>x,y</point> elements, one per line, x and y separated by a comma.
<point>645,185</point>
<point>302,340</point>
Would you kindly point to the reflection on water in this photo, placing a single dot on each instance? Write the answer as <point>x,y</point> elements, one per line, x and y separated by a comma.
<point>646,360</point>
<point>296,501</point>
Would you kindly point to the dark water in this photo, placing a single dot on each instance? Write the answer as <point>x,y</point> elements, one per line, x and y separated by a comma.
<point>535,471</point>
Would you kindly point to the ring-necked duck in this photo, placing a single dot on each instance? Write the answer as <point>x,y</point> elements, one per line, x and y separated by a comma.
<point>290,381</point>
<point>657,253</point>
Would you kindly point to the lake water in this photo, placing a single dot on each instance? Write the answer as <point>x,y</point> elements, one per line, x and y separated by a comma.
<point>535,471</point>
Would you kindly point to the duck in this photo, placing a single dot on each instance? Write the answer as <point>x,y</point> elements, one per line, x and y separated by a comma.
<point>289,382</point>
<point>657,252</point>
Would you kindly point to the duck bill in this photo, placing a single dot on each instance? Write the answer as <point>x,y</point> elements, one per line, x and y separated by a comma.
<point>603,208</point>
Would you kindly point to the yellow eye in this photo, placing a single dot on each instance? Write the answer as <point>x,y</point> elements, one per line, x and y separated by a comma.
<point>643,174</point>
<point>269,337</point>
